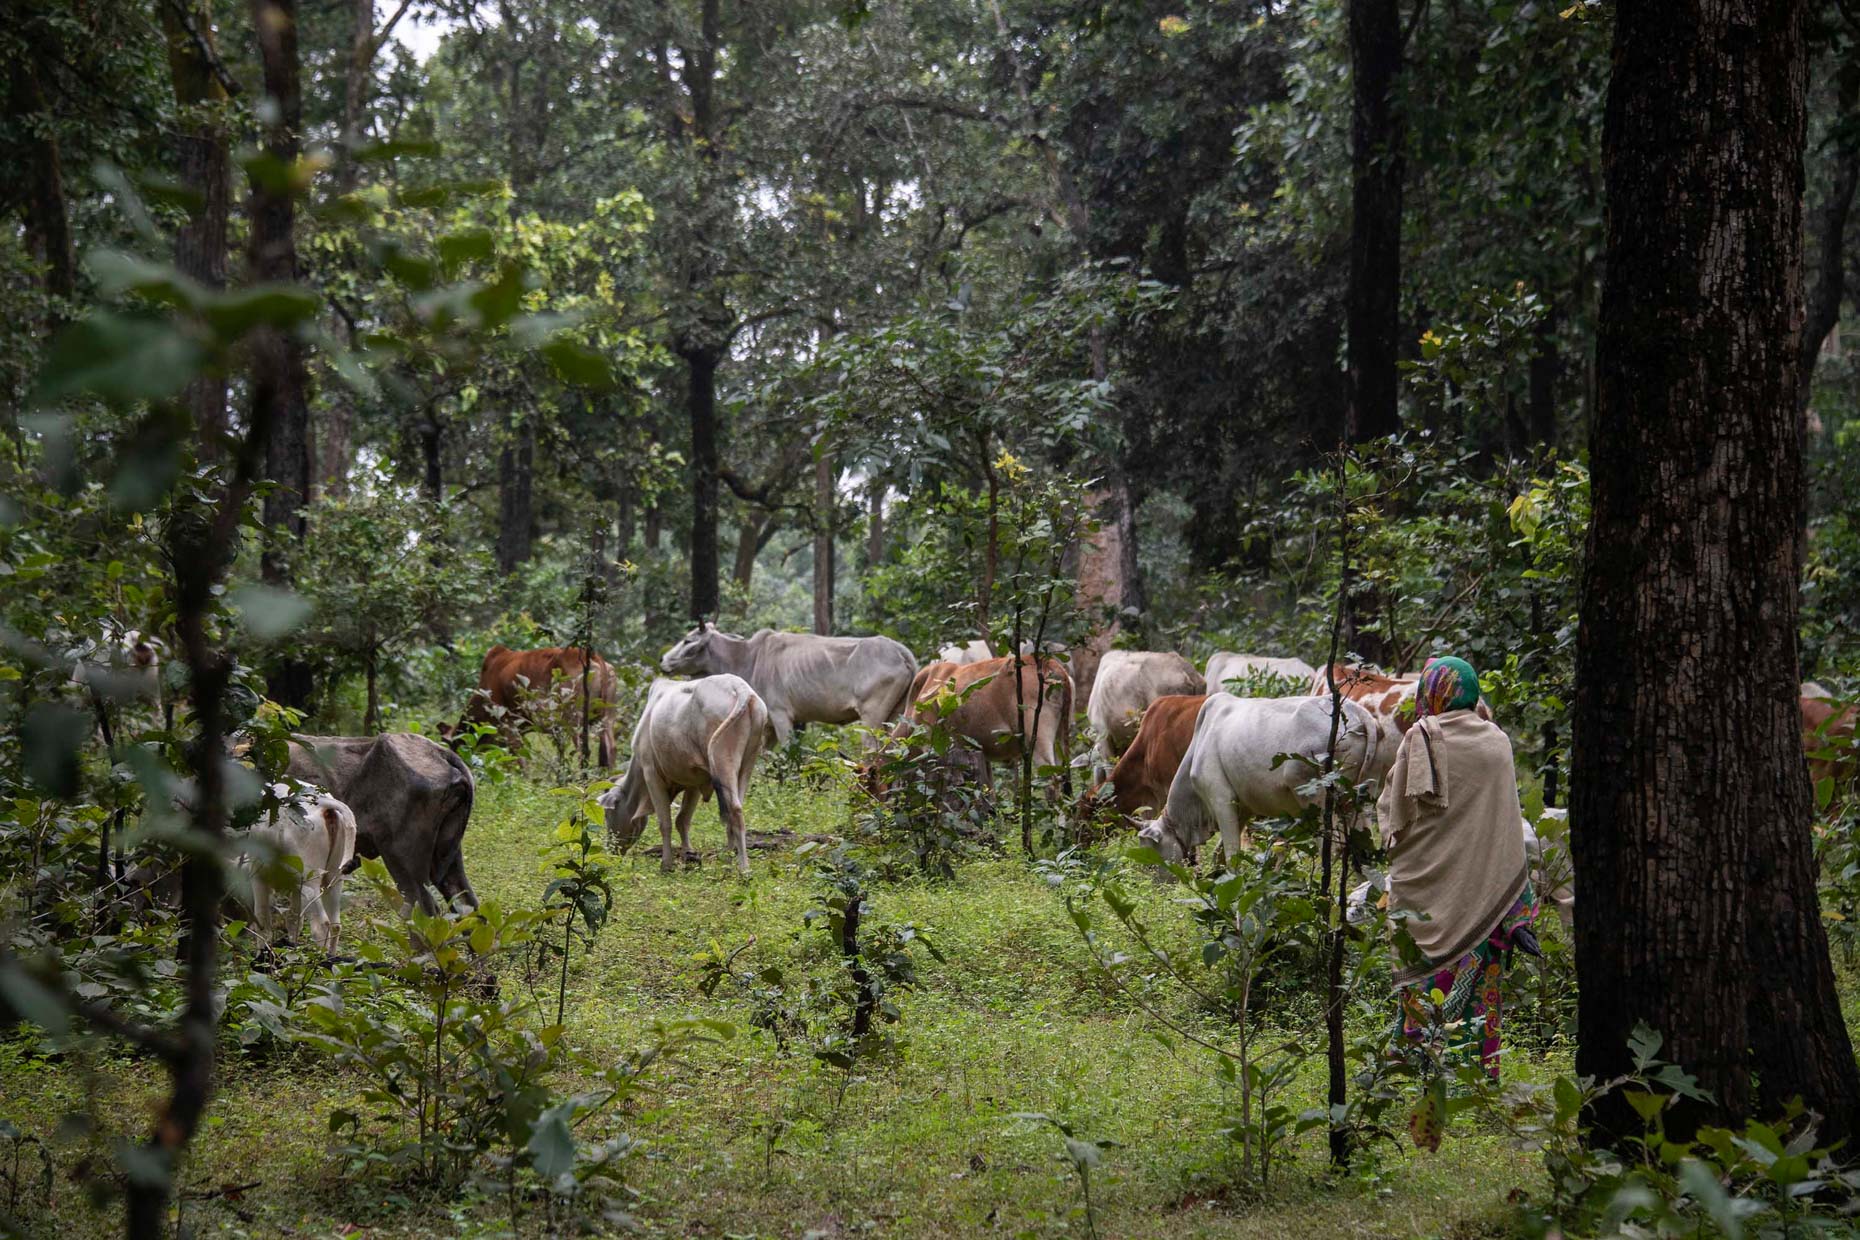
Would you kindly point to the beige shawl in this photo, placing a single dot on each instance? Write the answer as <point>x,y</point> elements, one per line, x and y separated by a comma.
<point>1449,818</point>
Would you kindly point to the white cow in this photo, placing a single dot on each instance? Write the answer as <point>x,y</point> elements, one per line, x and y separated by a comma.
<point>1225,665</point>
<point>1127,682</point>
<point>319,831</point>
<point>973,651</point>
<point>1227,778</point>
<point>125,667</point>
<point>803,677</point>
<point>694,736</point>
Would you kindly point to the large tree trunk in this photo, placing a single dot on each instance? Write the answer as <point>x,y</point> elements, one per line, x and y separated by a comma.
<point>200,245</point>
<point>280,379</point>
<point>1827,285</point>
<point>516,497</point>
<point>1108,577</point>
<point>48,223</point>
<point>701,406</point>
<point>1691,802</point>
<point>1376,140</point>
<point>826,474</point>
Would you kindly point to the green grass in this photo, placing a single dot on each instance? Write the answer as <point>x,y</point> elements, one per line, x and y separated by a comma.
<point>1010,1021</point>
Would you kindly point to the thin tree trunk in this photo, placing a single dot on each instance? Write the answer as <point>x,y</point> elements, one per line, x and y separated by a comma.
<point>516,492</point>
<point>826,472</point>
<point>1691,806</point>
<point>875,524</point>
<point>1376,140</point>
<point>355,88</point>
<point>48,222</point>
<point>1828,227</point>
<point>200,245</point>
<point>371,722</point>
<point>750,539</point>
<point>1540,399</point>
<point>701,406</point>
<point>280,379</point>
<point>432,457</point>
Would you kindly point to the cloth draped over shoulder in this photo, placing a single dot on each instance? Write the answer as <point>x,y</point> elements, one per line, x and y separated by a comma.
<point>1449,819</point>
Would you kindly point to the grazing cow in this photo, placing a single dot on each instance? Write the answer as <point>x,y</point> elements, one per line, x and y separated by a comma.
<point>510,680</point>
<point>320,832</point>
<point>125,667</point>
<point>1140,780</point>
<point>1825,726</point>
<point>1225,665</point>
<point>1128,681</point>
<point>987,713</point>
<point>972,651</point>
<point>694,736</point>
<point>412,801</point>
<point>1227,778</point>
<point>803,677</point>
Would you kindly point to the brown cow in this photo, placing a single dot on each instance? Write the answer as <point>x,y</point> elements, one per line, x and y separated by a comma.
<point>986,715</point>
<point>1142,776</point>
<point>511,679</point>
<point>1826,725</point>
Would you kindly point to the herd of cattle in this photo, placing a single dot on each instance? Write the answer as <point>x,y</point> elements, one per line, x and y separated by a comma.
<point>1176,755</point>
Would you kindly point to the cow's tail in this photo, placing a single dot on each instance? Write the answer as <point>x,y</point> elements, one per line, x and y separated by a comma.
<point>726,759</point>
<point>907,696</point>
<point>341,855</point>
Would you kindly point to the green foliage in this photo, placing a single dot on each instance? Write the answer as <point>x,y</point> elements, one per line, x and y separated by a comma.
<point>1246,918</point>
<point>580,889</point>
<point>380,569</point>
<point>1763,1179</point>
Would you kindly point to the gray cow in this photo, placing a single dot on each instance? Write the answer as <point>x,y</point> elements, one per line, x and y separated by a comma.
<point>412,801</point>
<point>803,677</point>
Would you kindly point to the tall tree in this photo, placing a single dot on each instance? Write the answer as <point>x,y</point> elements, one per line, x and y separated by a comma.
<point>280,378</point>
<point>47,217</point>
<point>200,245</point>
<point>1376,166</point>
<point>1691,804</point>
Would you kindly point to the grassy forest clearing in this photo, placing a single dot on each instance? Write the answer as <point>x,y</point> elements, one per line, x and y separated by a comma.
<point>1257,601</point>
<point>1011,1021</point>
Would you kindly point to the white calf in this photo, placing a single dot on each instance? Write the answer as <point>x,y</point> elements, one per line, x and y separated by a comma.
<point>319,831</point>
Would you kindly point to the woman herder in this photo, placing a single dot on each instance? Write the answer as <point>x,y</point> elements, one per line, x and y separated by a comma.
<point>1457,865</point>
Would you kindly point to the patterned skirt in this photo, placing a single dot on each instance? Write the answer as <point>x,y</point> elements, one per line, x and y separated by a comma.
<point>1457,1010</point>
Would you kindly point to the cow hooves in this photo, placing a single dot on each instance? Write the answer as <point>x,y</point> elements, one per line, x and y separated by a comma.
<point>694,858</point>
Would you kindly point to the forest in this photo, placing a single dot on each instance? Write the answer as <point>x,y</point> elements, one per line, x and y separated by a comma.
<point>823,618</point>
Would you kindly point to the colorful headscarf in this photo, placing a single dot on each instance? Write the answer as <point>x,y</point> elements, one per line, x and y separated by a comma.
<point>1447,684</point>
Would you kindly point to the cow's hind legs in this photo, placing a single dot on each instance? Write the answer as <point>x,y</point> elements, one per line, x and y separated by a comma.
<point>687,809</point>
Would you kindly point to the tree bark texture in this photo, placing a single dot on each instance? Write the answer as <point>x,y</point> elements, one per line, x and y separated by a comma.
<point>280,378</point>
<point>826,474</point>
<point>200,245</point>
<point>516,497</point>
<point>1691,804</point>
<point>1374,295</point>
